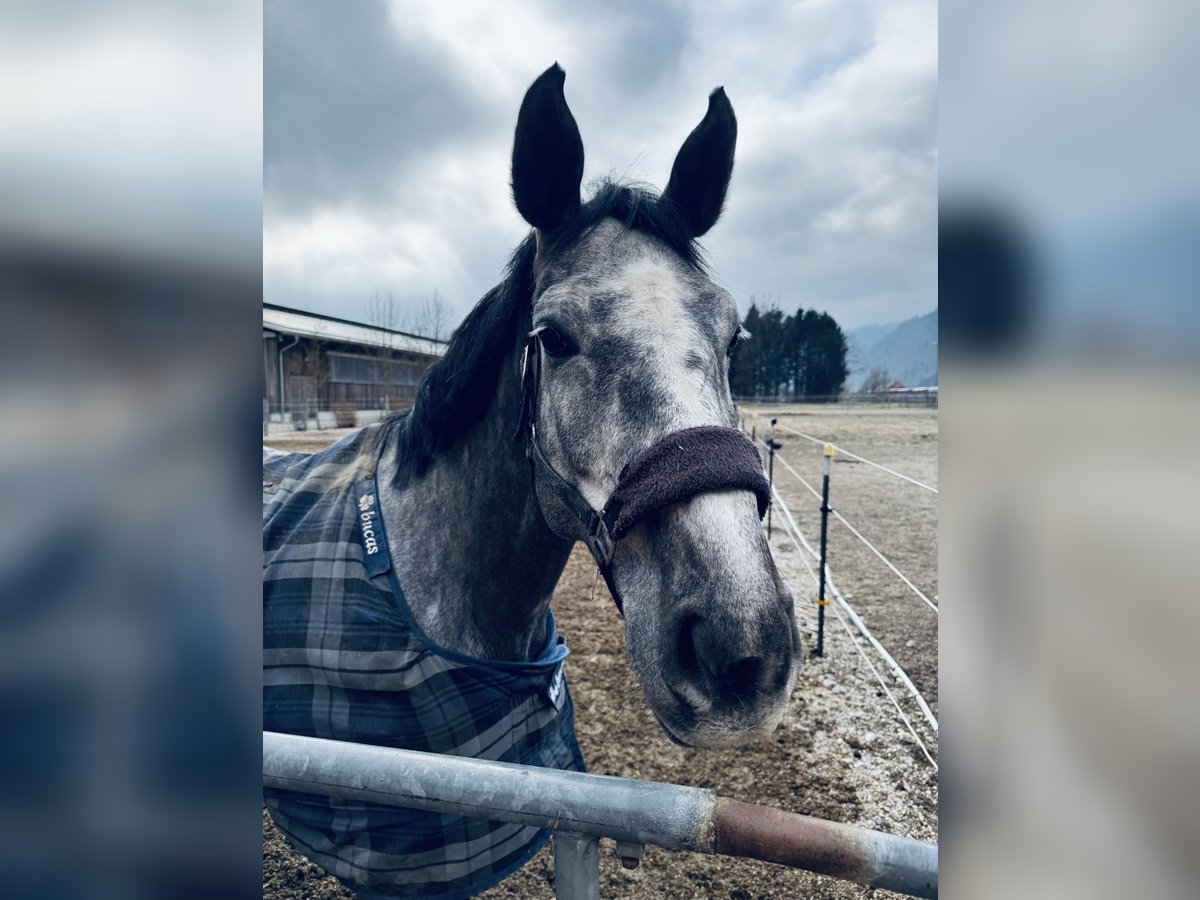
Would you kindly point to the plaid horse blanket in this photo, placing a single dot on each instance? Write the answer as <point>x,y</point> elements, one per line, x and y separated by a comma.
<point>343,658</point>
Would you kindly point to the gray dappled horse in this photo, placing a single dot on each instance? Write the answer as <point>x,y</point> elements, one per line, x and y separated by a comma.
<point>408,568</point>
<point>609,305</point>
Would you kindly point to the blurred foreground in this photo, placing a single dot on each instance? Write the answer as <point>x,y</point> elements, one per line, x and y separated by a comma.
<point>1070,387</point>
<point>130,276</point>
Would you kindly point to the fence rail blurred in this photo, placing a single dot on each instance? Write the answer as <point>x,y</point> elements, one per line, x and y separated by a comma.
<point>916,396</point>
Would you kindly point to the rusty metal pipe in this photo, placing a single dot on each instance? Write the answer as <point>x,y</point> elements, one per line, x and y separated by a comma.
<point>860,855</point>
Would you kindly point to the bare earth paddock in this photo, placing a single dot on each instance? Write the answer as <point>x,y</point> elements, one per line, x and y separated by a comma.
<point>842,753</point>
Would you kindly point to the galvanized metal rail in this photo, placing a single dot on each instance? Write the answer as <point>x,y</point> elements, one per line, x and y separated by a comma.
<point>582,808</point>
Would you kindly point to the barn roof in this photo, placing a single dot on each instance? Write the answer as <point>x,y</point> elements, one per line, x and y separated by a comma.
<point>283,320</point>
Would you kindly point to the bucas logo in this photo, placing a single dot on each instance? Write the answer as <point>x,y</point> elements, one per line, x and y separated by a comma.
<point>366,519</point>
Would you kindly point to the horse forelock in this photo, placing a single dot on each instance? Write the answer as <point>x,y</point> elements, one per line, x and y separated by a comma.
<point>638,208</point>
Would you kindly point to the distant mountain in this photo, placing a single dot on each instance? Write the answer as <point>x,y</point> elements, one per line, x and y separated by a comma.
<point>866,335</point>
<point>858,345</point>
<point>908,351</point>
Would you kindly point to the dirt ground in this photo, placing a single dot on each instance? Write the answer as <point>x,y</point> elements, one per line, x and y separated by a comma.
<point>842,752</point>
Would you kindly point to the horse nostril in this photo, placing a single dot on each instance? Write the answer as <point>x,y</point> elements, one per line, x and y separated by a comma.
<point>707,654</point>
<point>727,661</point>
<point>740,677</point>
<point>688,653</point>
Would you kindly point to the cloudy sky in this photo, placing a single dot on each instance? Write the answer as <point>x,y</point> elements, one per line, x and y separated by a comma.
<point>388,129</point>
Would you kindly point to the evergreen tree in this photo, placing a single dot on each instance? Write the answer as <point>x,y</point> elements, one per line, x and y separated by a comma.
<point>772,352</point>
<point>799,355</point>
<point>797,337</point>
<point>825,364</point>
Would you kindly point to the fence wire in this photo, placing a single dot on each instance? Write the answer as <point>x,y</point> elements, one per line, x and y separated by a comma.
<point>874,671</point>
<point>887,562</point>
<point>862,459</point>
<point>858,534</point>
<point>854,617</point>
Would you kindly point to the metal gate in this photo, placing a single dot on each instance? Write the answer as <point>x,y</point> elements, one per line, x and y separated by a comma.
<point>581,808</point>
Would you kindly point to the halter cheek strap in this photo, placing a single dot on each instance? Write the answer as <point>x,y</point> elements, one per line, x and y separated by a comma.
<point>596,528</point>
<point>676,468</point>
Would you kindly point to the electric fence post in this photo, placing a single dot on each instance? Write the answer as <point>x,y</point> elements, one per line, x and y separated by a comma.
<point>830,450</point>
<point>772,446</point>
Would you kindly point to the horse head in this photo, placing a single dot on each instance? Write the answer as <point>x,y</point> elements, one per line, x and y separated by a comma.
<point>630,339</point>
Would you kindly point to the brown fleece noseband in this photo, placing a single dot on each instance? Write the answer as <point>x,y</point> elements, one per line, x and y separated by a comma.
<point>676,468</point>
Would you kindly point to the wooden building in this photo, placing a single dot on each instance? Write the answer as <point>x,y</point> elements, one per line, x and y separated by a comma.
<point>321,364</point>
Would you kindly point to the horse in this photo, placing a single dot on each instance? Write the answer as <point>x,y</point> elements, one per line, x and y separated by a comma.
<point>584,398</point>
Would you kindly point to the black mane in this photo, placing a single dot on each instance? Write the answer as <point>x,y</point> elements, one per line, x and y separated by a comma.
<point>459,388</point>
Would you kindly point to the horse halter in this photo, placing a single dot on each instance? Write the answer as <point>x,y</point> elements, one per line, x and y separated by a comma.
<point>678,467</point>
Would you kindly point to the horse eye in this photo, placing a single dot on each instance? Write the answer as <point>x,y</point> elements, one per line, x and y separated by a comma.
<point>555,342</point>
<point>733,342</point>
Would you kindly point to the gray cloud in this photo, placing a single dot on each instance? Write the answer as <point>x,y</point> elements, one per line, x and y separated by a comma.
<point>351,102</point>
<point>642,43</point>
<point>388,129</point>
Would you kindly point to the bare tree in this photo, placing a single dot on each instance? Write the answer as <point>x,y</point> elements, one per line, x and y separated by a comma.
<point>856,356</point>
<point>433,317</point>
<point>877,380</point>
<point>384,312</point>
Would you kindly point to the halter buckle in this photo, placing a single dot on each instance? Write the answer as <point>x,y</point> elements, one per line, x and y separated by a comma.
<point>599,540</point>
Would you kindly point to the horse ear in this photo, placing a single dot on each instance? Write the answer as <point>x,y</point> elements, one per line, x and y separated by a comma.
<point>547,163</point>
<point>700,176</point>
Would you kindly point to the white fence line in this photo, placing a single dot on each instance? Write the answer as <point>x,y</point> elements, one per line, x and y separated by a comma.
<point>812,490</point>
<point>861,459</point>
<point>887,562</point>
<point>874,671</point>
<point>854,617</point>
<point>858,534</point>
<point>850,639</point>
